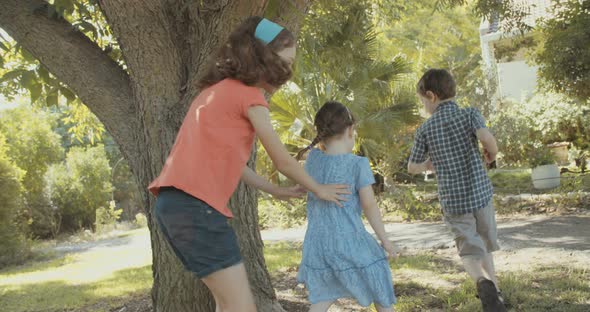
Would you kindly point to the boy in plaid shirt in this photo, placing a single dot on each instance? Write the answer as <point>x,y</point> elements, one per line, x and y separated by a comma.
<point>448,144</point>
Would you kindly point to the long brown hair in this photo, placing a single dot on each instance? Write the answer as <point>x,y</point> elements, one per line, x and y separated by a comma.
<point>245,58</point>
<point>331,120</point>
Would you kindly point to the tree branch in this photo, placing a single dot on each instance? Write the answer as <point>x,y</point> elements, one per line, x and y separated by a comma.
<point>75,60</point>
<point>152,57</point>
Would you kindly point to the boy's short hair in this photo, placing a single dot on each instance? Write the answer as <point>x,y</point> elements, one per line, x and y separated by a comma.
<point>438,81</point>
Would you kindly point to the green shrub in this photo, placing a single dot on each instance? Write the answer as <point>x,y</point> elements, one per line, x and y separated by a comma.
<point>106,218</point>
<point>14,247</point>
<point>275,213</point>
<point>33,147</point>
<point>522,128</point>
<point>79,187</point>
<point>405,203</point>
<point>539,155</point>
<point>141,220</point>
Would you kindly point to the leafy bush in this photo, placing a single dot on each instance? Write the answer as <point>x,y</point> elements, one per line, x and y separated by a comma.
<point>106,218</point>
<point>405,203</point>
<point>79,187</point>
<point>275,213</point>
<point>539,155</point>
<point>512,130</point>
<point>126,192</point>
<point>13,244</point>
<point>141,220</point>
<point>563,53</point>
<point>33,147</point>
<point>522,128</point>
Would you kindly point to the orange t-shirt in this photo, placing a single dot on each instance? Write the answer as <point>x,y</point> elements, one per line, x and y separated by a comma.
<point>213,144</point>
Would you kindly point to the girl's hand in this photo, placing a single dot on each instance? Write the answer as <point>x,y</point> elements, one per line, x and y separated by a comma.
<point>388,246</point>
<point>287,193</point>
<point>333,192</point>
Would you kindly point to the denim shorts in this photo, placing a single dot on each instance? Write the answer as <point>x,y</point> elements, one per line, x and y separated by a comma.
<point>199,235</point>
<point>475,233</point>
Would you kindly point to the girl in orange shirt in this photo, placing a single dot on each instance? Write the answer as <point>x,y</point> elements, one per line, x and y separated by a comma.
<point>210,153</point>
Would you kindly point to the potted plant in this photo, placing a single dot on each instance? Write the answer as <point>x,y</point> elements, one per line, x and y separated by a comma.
<point>545,173</point>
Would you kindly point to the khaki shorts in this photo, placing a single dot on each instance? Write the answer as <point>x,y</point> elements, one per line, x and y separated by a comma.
<point>475,233</point>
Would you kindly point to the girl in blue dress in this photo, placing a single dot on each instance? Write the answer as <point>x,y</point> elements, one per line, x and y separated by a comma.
<point>340,258</point>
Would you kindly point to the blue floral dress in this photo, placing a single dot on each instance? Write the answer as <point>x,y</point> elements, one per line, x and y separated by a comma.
<point>340,258</point>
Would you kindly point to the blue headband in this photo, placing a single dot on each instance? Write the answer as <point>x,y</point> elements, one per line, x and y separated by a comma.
<point>267,31</point>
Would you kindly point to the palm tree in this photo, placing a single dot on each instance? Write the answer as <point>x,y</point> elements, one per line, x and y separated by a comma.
<point>337,60</point>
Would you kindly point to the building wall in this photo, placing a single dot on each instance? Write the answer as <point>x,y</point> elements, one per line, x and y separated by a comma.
<point>516,80</point>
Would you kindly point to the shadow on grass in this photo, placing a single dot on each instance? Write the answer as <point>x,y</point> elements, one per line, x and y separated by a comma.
<point>59,295</point>
<point>542,289</point>
<point>425,262</point>
<point>40,262</point>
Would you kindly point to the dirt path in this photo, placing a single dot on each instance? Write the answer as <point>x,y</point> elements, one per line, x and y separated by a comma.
<point>525,240</point>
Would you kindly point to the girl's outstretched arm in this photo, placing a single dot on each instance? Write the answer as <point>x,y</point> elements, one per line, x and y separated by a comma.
<point>251,178</point>
<point>369,205</point>
<point>260,119</point>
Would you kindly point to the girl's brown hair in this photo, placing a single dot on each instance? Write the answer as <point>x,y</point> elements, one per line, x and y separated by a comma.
<point>247,59</point>
<point>331,120</point>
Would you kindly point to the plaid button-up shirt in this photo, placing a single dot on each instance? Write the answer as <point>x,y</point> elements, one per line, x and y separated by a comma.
<point>448,139</point>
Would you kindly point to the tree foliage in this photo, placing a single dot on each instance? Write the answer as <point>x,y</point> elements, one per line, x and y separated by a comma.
<point>78,187</point>
<point>13,244</point>
<point>338,60</point>
<point>33,147</point>
<point>454,46</point>
<point>523,129</point>
<point>21,73</point>
<point>563,54</point>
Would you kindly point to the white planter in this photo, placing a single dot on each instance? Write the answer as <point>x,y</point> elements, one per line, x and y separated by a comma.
<point>546,177</point>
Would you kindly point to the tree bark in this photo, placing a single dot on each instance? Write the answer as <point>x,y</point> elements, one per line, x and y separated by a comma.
<point>166,45</point>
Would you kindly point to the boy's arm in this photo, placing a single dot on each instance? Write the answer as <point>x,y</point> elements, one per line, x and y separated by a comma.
<point>488,141</point>
<point>484,135</point>
<point>418,161</point>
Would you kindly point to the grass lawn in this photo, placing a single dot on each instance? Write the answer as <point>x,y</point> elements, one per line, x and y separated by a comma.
<point>98,277</point>
<point>96,280</point>
<point>428,281</point>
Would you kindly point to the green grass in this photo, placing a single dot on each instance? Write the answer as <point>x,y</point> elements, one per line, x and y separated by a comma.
<point>426,281</point>
<point>430,282</point>
<point>512,182</point>
<point>519,181</point>
<point>62,294</point>
<point>282,256</point>
<point>95,280</point>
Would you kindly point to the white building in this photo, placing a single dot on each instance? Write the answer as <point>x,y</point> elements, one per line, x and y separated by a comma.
<point>515,78</point>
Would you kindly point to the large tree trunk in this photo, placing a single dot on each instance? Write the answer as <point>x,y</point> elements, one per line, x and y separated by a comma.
<point>166,45</point>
